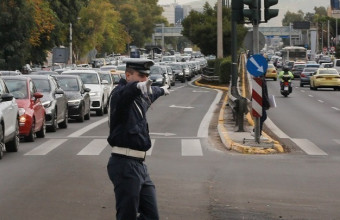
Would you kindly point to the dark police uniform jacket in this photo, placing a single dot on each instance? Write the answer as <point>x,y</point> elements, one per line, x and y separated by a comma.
<point>128,124</point>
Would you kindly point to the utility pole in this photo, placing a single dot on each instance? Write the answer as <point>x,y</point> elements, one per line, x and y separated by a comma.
<point>70,58</point>
<point>219,30</point>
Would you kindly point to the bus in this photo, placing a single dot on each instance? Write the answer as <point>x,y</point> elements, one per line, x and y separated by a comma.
<point>294,53</point>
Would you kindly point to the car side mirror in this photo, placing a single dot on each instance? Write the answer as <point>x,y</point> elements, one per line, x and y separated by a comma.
<point>87,89</point>
<point>6,97</point>
<point>38,95</point>
<point>59,91</point>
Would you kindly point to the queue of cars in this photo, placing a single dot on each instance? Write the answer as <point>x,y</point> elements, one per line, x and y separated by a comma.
<point>323,75</point>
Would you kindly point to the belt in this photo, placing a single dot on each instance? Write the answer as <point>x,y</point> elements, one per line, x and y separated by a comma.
<point>128,152</point>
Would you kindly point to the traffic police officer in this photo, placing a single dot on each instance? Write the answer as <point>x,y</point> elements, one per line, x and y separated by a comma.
<point>129,137</point>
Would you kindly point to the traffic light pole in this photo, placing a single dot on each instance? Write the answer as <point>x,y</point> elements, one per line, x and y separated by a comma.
<point>256,50</point>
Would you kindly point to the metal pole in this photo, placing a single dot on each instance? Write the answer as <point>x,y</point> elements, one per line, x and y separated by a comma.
<point>336,32</point>
<point>163,38</point>
<point>70,58</point>
<point>290,34</point>
<point>328,46</point>
<point>322,37</point>
<point>256,50</point>
<point>219,30</point>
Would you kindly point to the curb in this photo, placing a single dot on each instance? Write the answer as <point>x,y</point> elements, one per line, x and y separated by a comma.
<point>232,145</point>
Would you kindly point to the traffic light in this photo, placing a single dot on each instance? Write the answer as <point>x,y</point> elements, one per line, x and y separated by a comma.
<point>254,11</point>
<point>270,13</point>
<point>237,11</point>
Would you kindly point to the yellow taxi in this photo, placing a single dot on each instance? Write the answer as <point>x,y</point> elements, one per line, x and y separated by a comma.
<point>271,72</point>
<point>325,78</point>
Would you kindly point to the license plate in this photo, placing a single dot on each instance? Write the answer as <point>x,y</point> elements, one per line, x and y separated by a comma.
<point>285,88</point>
<point>329,78</point>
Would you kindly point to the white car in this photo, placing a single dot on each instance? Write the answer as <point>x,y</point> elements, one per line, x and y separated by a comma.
<point>9,129</point>
<point>98,96</point>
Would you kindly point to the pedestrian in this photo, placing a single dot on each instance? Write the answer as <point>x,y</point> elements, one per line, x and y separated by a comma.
<point>129,138</point>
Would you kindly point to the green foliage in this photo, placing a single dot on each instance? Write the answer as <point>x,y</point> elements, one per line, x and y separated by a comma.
<point>200,28</point>
<point>16,22</point>
<point>222,68</point>
<point>291,17</point>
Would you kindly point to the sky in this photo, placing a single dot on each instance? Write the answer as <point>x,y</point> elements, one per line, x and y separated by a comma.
<point>283,6</point>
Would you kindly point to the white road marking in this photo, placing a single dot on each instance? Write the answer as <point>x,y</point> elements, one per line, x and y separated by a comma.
<point>176,106</point>
<point>200,91</point>
<point>309,148</point>
<point>46,147</point>
<point>162,134</point>
<point>149,152</point>
<point>310,96</point>
<point>204,126</point>
<point>321,101</point>
<point>335,108</point>
<point>303,91</point>
<point>95,147</point>
<point>191,147</point>
<point>87,128</point>
<point>337,141</point>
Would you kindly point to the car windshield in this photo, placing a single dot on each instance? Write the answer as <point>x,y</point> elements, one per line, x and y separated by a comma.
<point>42,85</point>
<point>108,68</point>
<point>121,67</point>
<point>18,88</point>
<point>328,71</point>
<point>68,84</point>
<point>169,59</point>
<point>155,70</point>
<point>176,67</point>
<point>309,70</point>
<point>87,78</point>
<point>106,77</point>
<point>299,66</point>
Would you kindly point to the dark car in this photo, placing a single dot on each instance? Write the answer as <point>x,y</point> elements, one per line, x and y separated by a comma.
<point>157,76</point>
<point>306,74</point>
<point>297,69</point>
<point>177,68</point>
<point>78,96</point>
<point>54,101</point>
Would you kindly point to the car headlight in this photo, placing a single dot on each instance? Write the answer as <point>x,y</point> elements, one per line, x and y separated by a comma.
<point>159,80</point>
<point>94,94</point>
<point>180,73</point>
<point>74,102</point>
<point>21,111</point>
<point>47,104</point>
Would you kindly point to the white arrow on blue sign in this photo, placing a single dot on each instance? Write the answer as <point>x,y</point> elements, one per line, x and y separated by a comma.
<point>257,65</point>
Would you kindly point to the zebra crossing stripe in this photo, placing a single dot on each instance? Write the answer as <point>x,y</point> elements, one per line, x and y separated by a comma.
<point>149,152</point>
<point>95,147</point>
<point>191,147</point>
<point>46,147</point>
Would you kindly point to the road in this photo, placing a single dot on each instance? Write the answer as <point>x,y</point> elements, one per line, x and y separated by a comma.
<point>63,176</point>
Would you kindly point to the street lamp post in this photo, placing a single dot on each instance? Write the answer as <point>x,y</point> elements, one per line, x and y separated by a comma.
<point>70,57</point>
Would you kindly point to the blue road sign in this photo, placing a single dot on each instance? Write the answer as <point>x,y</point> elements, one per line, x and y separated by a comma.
<point>257,65</point>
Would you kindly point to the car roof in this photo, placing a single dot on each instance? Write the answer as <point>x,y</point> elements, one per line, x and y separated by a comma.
<point>79,71</point>
<point>38,76</point>
<point>19,77</point>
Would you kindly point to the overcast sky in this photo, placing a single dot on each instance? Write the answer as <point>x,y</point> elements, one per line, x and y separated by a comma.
<point>283,6</point>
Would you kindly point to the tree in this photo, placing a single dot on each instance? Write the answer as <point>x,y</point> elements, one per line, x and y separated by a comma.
<point>99,28</point>
<point>291,17</point>
<point>201,29</point>
<point>16,23</point>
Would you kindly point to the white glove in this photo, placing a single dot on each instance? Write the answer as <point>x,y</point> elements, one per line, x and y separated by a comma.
<point>145,87</point>
<point>166,91</point>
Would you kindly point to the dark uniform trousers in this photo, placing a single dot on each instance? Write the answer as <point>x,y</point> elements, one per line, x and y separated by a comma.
<point>135,192</point>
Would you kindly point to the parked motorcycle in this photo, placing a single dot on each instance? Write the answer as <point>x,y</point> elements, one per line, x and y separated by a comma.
<point>286,88</point>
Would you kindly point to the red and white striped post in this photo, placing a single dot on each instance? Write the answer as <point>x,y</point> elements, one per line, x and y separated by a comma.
<point>257,97</point>
<point>257,105</point>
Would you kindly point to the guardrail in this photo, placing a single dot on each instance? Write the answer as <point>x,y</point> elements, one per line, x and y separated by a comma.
<point>208,75</point>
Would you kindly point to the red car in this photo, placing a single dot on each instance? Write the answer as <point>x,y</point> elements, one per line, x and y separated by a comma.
<point>31,110</point>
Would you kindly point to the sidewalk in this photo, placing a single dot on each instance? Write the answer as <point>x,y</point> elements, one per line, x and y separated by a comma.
<point>242,142</point>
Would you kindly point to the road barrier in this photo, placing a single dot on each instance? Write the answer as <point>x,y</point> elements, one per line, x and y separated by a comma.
<point>208,75</point>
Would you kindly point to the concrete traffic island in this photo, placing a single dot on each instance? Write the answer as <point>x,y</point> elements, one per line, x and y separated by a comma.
<point>242,142</point>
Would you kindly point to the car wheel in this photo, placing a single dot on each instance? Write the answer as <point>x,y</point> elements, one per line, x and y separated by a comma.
<point>301,85</point>
<point>183,81</point>
<point>2,144</point>
<point>100,112</point>
<point>81,115</point>
<point>275,79</point>
<point>13,145</point>
<point>31,136</point>
<point>53,127</point>
<point>88,115</point>
<point>42,132</point>
<point>64,123</point>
